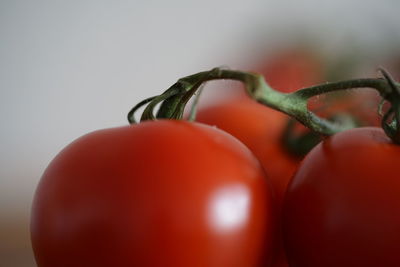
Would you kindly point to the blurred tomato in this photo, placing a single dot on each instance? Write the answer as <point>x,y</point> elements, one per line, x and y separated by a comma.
<point>260,129</point>
<point>290,70</point>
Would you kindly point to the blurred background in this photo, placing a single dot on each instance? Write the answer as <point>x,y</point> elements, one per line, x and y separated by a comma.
<point>71,67</point>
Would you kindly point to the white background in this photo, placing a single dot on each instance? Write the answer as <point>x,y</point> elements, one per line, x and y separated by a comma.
<point>70,67</point>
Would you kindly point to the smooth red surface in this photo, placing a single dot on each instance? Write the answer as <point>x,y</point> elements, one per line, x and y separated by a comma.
<point>342,208</point>
<point>165,193</point>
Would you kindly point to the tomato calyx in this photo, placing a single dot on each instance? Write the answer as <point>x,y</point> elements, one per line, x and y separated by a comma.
<point>174,99</point>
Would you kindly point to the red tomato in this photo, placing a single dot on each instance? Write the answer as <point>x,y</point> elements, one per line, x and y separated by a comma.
<point>164,193</point>
<point>260,129</point>
<point>342,206</point>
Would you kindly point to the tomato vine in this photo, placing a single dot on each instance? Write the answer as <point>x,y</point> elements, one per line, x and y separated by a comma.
<point>174,99</point>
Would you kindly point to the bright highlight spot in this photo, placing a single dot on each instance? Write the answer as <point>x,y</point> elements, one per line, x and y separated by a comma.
<point>229,208</point>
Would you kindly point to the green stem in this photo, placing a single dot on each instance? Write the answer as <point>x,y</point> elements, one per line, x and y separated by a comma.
<point>378,84</point>
<point>293,104</point>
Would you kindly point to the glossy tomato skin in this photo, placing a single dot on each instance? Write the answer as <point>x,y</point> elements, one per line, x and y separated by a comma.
<point>164,193</point>
<point>342,206</point>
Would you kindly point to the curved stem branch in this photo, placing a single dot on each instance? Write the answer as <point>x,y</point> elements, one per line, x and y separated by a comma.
<point>293,104</point>
<point>378,84</point>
